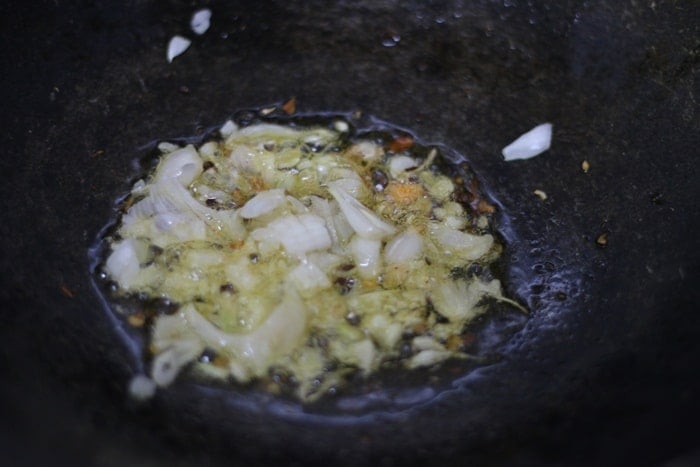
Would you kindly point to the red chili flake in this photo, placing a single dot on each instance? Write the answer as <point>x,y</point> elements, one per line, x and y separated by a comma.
<point>401,143</point>
<point>290,106</point>
<point>66,291</point>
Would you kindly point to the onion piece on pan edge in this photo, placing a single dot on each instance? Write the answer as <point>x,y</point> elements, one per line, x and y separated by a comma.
<point>530,144</point>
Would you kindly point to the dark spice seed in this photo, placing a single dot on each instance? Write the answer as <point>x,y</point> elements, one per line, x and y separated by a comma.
<point>379,180</point>
<point>353,318</point>
<point>227,288</point>
<point>208,355</point>
<point>345,284</point>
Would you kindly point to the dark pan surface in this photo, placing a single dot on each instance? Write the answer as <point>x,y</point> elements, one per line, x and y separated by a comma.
<point>603,373</point>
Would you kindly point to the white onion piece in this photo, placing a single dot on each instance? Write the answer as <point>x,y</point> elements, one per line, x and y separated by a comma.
<point>363,221</point>
<point>262,203</point>
<point>227,221</point>
<point>141,387</point>
<point>269,130</point>
<point>245,159</point>
<point>384,331</point>
<point>183,164</point>
<point>352,186</point>
<point>399,164</point>
<point>342,227</point>
<point>308,278</point>
<point>404,247</point>
<point>200,21</point>
<point>458,300</point>
<point>366,254</point>
<point>297,206</point>
<point>465,245</point>
<point>300,234</point>
<point>530,144</point>
<point>209,149</point>
<point>153,204</point>
<point>324,260</point>
<point>368,150</point>
<point>124,263</point>
<point>364,353</point>
<point>177,46</point>
<point>166,147</point>
<point>428,358</point>
<point>426,343</point>
<point>228,129</point>
<point>276,336</point>
<point>167,364</point>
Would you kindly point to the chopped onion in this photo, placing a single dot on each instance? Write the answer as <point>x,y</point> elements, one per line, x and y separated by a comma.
<point>467,246</point>
<point>367,150</point>
<point>183,164</point>
<point>177,46</point>
<point>141,387</point>
<point>404,247</point>
<point>267,130</point>
<point>400,164</point>
<point>262,203</point>
<point>300,234</point>
<point>364,353</point>
<point>219,221</point>
<point>458,300</point>
<point>200,21</point>
<point>426,343</point>
<point>530,144</point>
<point>384,331</point>
<point>428,358</point>
<point>362,220</point>
<point>125,261</point>
<point>245,159</point>
<point>308,278</point>
<point>366,254</point>
<point>297,206</point>
<point>276,336</point>
<point>166,147</point>
<point>298,250</point>
<point>167,364</point>
<point>228,129</point>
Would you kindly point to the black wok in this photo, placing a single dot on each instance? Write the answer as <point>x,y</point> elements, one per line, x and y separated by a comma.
<point>603,372</point>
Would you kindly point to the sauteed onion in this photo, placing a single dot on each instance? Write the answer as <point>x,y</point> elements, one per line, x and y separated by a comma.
<point>302,252</point>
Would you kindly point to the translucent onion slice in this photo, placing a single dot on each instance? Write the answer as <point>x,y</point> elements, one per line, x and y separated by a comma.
<point>400,164</point>
<point>177,46</point>
<point>200,21</point>
<point>404,247</point>
<point>125,261</point>
<point>465,245</point>
<point>168,364</point>
<point>363,221</point>
<point>300,234</point>
<point>366,253</point>
<point>276,336</point>
<point>530,144</point>
<point>183,164</point>
<point>262,203</point>
<point>309,278</point>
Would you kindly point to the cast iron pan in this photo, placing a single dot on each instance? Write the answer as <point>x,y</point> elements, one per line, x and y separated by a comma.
<point>603,372</point>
